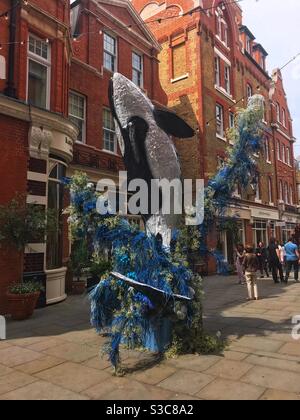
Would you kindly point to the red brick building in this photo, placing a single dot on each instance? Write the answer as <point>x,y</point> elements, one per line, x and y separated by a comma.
<point>36,137</point>
<point>109,36</point>
<point>210,65</point>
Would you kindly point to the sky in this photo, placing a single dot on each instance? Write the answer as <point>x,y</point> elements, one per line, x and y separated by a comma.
<point>276,25</point>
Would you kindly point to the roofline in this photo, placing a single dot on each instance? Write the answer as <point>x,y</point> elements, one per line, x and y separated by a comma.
<point>244,28</point>
<point>261,48</point>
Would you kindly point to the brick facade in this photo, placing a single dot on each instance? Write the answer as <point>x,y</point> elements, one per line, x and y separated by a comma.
<point>221,64</point>
<point>29,135</point>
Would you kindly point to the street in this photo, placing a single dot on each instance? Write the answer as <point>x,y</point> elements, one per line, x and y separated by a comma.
<point>55,355</point>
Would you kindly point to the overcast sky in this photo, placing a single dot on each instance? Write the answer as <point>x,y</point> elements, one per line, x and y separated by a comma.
<point>276,25</point>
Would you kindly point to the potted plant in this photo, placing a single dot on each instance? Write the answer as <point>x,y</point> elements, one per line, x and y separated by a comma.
<point>21,224</point>
<point>79,265</point>
<point>22,299</point>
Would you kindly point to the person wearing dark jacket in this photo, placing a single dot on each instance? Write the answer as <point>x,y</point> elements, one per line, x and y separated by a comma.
<point>262,256</point>
<point>274,261</point>
<point>250,267</point>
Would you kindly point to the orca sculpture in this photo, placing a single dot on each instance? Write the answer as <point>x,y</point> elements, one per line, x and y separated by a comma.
<point>144,133</point>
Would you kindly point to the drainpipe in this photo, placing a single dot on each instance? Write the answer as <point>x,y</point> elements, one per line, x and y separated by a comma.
<point>10,88</point>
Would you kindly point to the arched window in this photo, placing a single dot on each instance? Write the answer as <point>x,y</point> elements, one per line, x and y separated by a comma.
<point>288,156</point>
<point>291,195</point>
<point>249,91</point>
<point>283,156</point>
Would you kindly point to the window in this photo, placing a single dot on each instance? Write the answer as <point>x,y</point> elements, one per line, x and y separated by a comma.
<point>137,69</point>
<point>249,91</point>
<point>179,62</point>
<point>77,114</point>
<point>260,231</point>
<point>288,156</point>
<point>218,71</point>
<point>55,203</point>
<point>291,196</point>
<point>110,53</point>
<point>281,191</point>
<point>248,45</point>
<point>109,134</point>
<point>39,67</point>
<point>220,120</point>
<point>231,120</point>
<point>278,150</point>
<point>277,107</point>
<point>226,39</point>
<point>267,150</point>
<point>283,157</point>
<point>258,190</point>
<point>284,118</point>
<point>227,79</point>
<point>286,194</point>
<point>219,23</point>
<point>270,190</point>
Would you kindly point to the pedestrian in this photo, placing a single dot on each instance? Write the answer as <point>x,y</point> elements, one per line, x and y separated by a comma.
<point>282,254</point>
<point>240,255</point>
<point>274,261</point>
<point>292,259</point>
<point>262,255</point>
<point>250,267</point>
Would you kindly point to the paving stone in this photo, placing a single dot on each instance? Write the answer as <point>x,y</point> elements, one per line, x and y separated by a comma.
<point>190,382</point>
<point>73,376</point>
<point>275,363</point>
<point>194,362</point>
<point>229,369</point>
<point>26,341</point>
<point>5,344</point>
<point>13,381</point>
<point>39,365</point>
<point>260,343</point>
<point>98,362</point>
<point>46,344</point>
<point>222,389</point>
<point>14,356</point>
<point>73,352</point>
<point>125,389</point>
<point>183,397</point>
<point>274,379</point>
<point>4,370</point>
<point>234,355</point>
<point>274,395</point>
<point>154,375</point>
<point>40,390</point>
<point>292,349</point>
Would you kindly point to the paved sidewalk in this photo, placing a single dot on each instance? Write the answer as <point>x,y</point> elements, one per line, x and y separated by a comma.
<point>55,354</point>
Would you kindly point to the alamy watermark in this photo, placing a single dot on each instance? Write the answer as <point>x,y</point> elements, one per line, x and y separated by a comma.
<point>2,328</point>
<point>166,197</point>
<point>296,328</point>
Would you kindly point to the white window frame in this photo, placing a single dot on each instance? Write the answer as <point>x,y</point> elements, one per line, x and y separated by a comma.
<point>72,92</point>
<point>217,63</point>
<point>42,61</point>
<point>249,91</point>
<point>220,121</point>
<point>283,117</point>
<point>227,76</point>
<point>277,106</point>
<point>231,119</point>
<point>111,131</point>
<point>110,35</point>
<point>267,149</point>
<point>288,156</point>
<point>141,70</point>
<point>270,190</point>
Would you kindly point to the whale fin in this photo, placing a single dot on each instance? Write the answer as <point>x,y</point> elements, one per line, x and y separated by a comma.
<point>172,124</point>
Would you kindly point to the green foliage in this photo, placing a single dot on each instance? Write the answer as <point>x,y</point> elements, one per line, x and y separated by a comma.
<point>25,288</point>
<point>22,223</point>
<point>79,258</point>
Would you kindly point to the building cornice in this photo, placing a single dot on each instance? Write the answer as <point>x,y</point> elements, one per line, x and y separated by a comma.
<point>37,117</point>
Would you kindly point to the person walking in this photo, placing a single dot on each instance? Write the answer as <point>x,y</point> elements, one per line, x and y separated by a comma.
<point>274,261</point>
<point>250,267</point>
<point>292,259</point>
<point>240,255</point>
<point>262,256</point>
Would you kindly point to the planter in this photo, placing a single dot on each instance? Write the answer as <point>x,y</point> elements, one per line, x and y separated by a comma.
<point>22,306</point>
<point>78,287</point>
